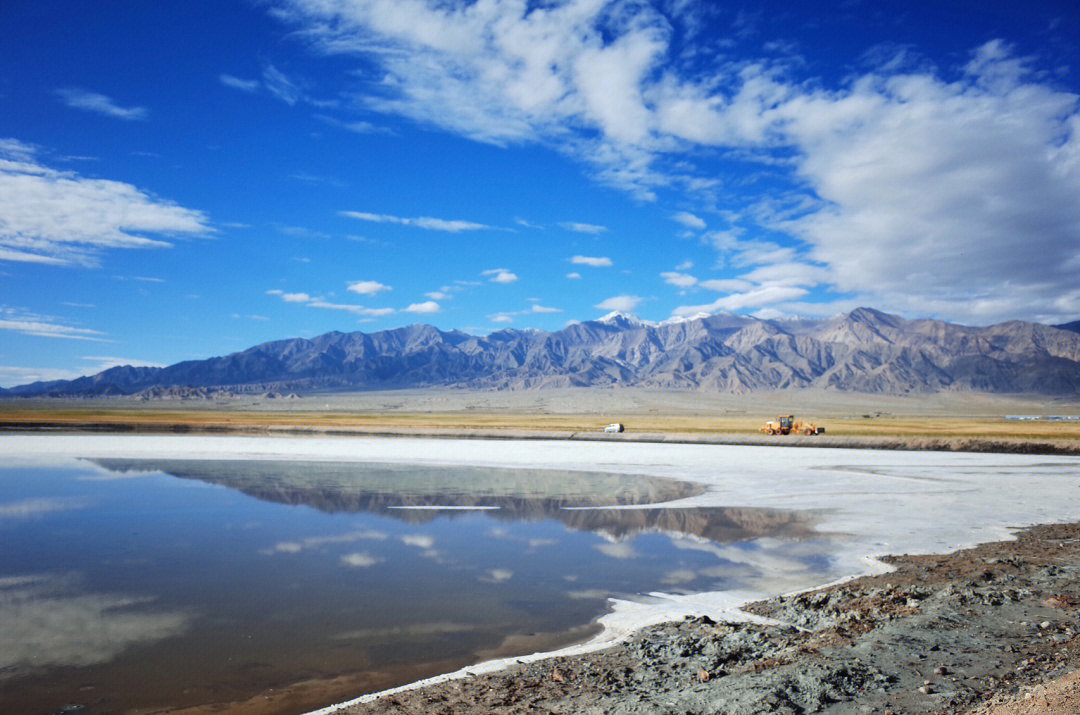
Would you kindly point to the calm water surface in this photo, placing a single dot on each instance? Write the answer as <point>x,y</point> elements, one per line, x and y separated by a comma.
<point>157,585</point>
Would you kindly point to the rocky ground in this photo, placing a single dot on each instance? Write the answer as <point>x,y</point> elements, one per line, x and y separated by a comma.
<point>988,630</point>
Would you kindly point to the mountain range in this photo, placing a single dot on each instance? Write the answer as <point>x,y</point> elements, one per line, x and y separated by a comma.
<point>865,350</point>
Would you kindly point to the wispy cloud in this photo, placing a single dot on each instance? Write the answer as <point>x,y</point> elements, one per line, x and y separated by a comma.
<point>61,218</point>
<point>315,302</point>
<point>280,85</point>
<point>99,103</point>
<point>49,330</point>
<point>355,126</point>
<point>244,85</point>
<point>577,227</point>
<point>594,261</point>
<point>425,222</point>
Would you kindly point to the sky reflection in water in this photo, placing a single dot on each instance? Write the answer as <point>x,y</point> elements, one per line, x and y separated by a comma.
<point>135,583</point>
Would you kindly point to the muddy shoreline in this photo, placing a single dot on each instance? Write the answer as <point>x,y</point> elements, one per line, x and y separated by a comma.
<point>975,631</point>
<point>884,442</point>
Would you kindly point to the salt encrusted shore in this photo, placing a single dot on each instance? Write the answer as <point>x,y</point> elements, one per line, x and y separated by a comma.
<point>990,630</point>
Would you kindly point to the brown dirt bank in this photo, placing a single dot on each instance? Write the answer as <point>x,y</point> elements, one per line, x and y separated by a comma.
<point>978,631</point>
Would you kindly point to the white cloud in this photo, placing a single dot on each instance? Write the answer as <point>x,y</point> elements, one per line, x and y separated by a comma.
<point>279,85</point>
<point>499,275</point>
<point>103,362</point>
<point>437,295</point>
<point>11,375</point>
<point>428,306</point>
<point>355,126</point>
<point>35,507</point>
<point>595,261</point>
<point>689,220</point>
<point>620,303</point>
<point>726,285</point>
<point>502,317</point>
<point>948,189</point>
<point>316,542</point>
<point>244,85</point>
<point>314,302</point>
<point>367,287</point>
<point>682,280</point>
<point>617,550</point>
<point>497,575</point>
<point>290,297</point>
<point>59,217</point>
<point>574,276</point>
<point>685,266</point>
<point>537,308</point>
<point>750,299</point>
<point>425,222</point>
<point>45,328</point>
<point>421,541</point>
<point>100,104</point>
<point>360,560</point>
<point>349,308</point>
<point>50,620</point>
<point>583,227</point>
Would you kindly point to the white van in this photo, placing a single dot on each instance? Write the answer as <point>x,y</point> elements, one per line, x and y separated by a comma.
<point>614,427</point>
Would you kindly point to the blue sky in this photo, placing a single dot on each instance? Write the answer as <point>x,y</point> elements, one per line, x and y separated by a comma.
<point>180,180</point>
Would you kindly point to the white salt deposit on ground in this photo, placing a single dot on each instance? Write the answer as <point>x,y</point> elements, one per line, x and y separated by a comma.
<point>885,502</point>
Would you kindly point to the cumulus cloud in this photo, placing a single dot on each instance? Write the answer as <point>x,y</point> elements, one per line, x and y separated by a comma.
<point>425,222</point>
<point>100,104</point>
<point>367,287</point>
<point>595,261</point>
<point>574,276</point>
<point>620,303</point>
<point>61,218</point>
<point>428,306</point>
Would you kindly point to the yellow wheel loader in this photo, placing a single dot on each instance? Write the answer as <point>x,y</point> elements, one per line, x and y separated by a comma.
<point>786,424</point>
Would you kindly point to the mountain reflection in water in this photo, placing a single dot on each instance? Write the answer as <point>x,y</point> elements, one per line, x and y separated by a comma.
<point>421,494</point>
<point>157,585</point>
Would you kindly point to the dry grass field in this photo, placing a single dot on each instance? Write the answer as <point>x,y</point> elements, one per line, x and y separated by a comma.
<point>580,412</point>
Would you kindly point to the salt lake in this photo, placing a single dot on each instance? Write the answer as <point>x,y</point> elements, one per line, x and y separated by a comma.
<point>164,572</point>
